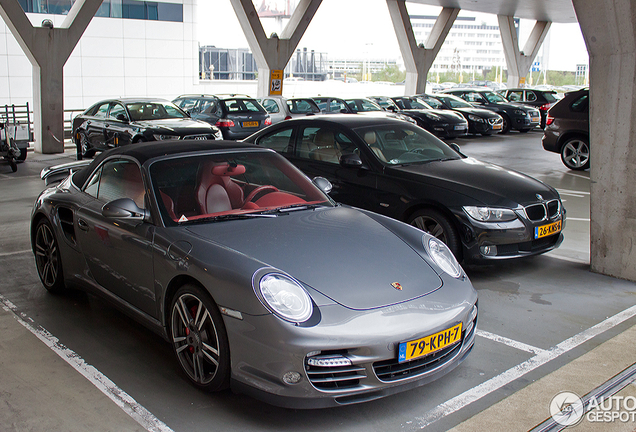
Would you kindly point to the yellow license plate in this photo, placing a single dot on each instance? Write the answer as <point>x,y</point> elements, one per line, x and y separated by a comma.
<point>429,344</point>
<point>250,124</point>
<point>497,126</point>
<point>547,230</point>
<point>536,119</point>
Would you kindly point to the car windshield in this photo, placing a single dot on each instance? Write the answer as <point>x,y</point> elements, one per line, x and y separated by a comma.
<point>411,103</point>
<point>363,105</point>
<point>154,111</point>
<point>241,106</point>
<point>494,97</point>
<point>214,187</point>
<point>455,102</point>
<point>405,144</point>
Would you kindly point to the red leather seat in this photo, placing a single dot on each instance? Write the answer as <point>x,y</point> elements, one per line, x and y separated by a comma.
<point>227,194</point>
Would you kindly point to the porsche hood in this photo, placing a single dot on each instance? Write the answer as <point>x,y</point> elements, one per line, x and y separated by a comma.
<point>340,252</point>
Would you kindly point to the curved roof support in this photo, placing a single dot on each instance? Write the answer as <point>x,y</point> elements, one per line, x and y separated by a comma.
<point>519,62</point>
<point>419,59</point>
<point>273,53</point>
<point>48,49</point>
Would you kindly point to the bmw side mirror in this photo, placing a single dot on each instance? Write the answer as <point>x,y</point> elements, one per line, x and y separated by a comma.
<point>124,208</point>
<point>350,160</point>
<point>323,184</point>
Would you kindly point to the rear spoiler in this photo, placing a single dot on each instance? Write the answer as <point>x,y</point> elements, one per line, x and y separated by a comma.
<point>57,173</point>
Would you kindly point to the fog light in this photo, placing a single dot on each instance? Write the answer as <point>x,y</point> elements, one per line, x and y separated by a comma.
<point>488,250</point>
<point>291,378</point>
<point>329,361</point>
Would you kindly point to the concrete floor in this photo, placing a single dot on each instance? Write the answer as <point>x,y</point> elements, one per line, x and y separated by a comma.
<point>73,363</point>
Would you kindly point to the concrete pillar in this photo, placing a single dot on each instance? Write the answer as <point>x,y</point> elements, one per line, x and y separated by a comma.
<point>47,49</point>
<point>519,62</point>
<point>609,29</point>
<point>418,59</point>
<point>273,53</point>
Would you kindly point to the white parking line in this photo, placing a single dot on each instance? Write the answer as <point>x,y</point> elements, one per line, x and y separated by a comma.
<point>578,219</point>
<point>512,343</point>
<point>578,175</point>
<point>567,191</point>
<point>495,383</point>
<point>4,254</point>
<point>122,399</point>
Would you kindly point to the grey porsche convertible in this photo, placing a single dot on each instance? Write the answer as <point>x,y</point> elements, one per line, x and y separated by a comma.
<point>254,275</point>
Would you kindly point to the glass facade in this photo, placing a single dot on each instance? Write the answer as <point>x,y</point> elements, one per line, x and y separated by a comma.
<point>129,9</point>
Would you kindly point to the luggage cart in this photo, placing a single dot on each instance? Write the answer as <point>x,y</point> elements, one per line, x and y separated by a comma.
<point>15,133</point>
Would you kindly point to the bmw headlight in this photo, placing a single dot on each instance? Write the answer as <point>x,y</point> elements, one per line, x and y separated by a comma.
<point>489,214</point>
<point>475,118</point>
<point>520,112</point>
<point>443,257</point>
<point>160,137</point>
<point>285,297</point>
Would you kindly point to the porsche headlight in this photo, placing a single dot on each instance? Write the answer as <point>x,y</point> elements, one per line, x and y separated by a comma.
<point>489,214</point>
<point>443,257</point>
<point>432,116</point>
<point>285,297</point>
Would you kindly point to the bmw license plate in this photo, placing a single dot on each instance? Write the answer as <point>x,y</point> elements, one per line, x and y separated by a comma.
<point>417,348</point>
<point>547,230</point>
<point>497,126</point>
<point>536,119</point>
<point>460,127</point>
<point>250,124</point>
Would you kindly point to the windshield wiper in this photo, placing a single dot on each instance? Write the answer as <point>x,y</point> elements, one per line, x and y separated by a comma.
<point>290,208</point>
<point>227,217</point>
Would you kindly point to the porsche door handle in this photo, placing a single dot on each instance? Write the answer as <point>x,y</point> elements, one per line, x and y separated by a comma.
<point>81,224</point>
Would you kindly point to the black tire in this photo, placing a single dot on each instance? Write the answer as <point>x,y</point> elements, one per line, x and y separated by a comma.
<point>84,148</point>
<point>23,155</point>
<point>575,153</point>
<point>439,226</point>
<point>12,164</point>
<point>199,339</point>
<point>506,124</point>
<point>47,257</point>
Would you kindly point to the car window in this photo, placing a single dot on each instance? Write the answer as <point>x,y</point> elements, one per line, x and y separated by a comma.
<point>432,102</point>
<point>102,110</point>
<point>515,96</point>
<point>323,144</point>
<point>187,104</point>
<point>271,106</point>
<point>278,141</point>
<point>199,187</point>
<point>117,179</point>
<point>404,144</point>
<point>116,110</point>
<point>455,102</point>
<point>154,111</point>
<point>206,106</point>
<point>367,105</point>
<point>239,106</point>
<point>531,96</point>
<point>473,97</point>
<point>580,105</point>
<point>550,96</point>
<point>301,106</point>
<point>493,97</point>
<point>336,106</point>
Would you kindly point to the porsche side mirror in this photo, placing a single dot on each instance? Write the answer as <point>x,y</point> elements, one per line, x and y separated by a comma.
<point>124,208</point>
<point>350,160</point>
<point>323,184</point>
<point>455,147</point>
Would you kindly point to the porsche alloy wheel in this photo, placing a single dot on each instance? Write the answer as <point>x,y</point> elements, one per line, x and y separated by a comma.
<point>198,338</point>
<point>436,224</point>
<point>47,257</point>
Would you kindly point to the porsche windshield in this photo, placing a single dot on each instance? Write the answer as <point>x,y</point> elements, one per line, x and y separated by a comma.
<point>405,144</point>
<point>228,186</point>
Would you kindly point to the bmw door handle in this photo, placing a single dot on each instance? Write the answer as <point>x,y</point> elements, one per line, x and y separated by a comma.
<point>81,224</point>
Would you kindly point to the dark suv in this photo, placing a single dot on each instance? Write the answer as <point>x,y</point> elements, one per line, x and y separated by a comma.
<point>567,130</point>
<point>540,99</point>
<point>237,116</point>
<point>515,116</point>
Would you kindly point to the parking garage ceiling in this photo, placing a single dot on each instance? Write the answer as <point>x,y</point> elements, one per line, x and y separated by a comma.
<point>557,11</point>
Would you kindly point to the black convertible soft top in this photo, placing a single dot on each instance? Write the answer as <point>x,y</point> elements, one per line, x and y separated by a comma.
<point>149,150</point>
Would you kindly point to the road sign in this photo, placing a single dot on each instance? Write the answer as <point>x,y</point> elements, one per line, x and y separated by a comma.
<point>276,82</point>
